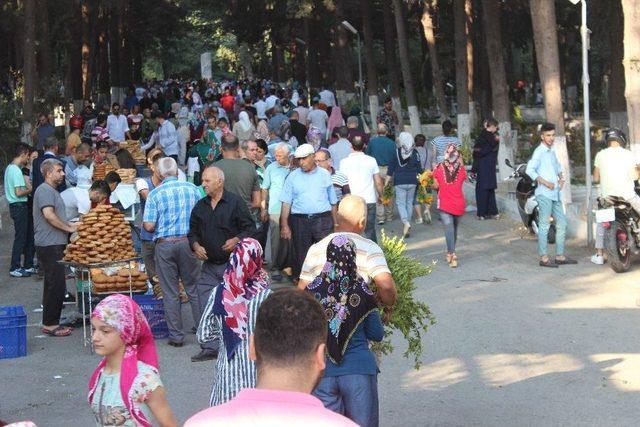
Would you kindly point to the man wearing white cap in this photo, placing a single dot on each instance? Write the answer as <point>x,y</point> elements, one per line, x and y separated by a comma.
<point>308,206</point>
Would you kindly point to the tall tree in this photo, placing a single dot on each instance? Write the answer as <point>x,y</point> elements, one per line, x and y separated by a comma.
<point>428,13</point>
<point>462,69</point>
<point>372,73</point>
<point>405,66</point>
<point>343,67</point>
<point>391,59</point>
<point>29,66</point>
<point>499,88</point>
<point>44,43</point>
<point>86,47</point>
<point>617,102</point>
<point>468,10</point>
<point>631,10</point>
<point>543,17</point>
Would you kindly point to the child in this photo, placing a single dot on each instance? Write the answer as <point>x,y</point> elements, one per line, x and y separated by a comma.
<point>125,389</point>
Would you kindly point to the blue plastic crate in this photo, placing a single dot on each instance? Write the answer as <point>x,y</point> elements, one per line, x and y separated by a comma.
<point>13,332</point>
<point>153,310</point>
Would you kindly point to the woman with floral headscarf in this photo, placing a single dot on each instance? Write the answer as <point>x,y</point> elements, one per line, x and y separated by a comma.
<point>448,179</point>
<point>314,137</point>
<point>125,389</point>
<point>349,386</point>
<point>230,317</point>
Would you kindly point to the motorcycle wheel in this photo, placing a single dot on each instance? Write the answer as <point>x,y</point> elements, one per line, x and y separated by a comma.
<point>616,243</point>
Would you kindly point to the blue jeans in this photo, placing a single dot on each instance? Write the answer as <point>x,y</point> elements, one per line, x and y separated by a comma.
<point>450,224</point>
<point>354,396</point>
<point>23,236</point>
<point>404,200</point>
<point>546,209</point>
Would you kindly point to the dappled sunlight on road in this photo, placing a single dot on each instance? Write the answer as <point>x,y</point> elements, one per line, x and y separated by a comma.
<point>499,370</point>
<point>624,375</point>
<point>437,375</point>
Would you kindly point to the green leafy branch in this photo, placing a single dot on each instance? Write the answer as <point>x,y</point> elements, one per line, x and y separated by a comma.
<point>410,317</point>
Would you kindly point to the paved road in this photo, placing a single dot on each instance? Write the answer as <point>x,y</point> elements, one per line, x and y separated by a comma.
<point>514,345</point>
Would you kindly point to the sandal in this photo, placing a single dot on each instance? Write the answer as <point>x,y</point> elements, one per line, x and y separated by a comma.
<point>454,261</point>
<point>449,257</point>
<point>60,331</point>
<point>548,263</point>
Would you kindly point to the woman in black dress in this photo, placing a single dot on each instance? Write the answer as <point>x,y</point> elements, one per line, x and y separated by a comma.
<point>485,156</point>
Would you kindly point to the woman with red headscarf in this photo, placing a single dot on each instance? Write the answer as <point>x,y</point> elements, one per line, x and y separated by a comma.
<point>448,179</point>
<point>125,389</point>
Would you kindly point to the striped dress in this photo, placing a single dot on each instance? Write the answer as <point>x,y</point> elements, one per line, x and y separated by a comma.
<point>233,375</point>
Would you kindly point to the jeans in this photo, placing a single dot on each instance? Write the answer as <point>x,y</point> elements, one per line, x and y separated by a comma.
<point>450,224</point>
<point>370,228</point>
<point>404,200</point>
<point>210,277</point>
<point>305,232</point>
<point>55,285</point>
<point>354,396</point>
<point>175,260</point>
<point>546,209</point>
<point>23,237</point>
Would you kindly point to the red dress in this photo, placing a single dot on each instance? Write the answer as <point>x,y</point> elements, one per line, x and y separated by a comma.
<point>450,195</point>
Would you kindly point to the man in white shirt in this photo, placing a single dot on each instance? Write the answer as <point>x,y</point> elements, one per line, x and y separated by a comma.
<point>272,99</point>
<point>117,125</point>
<point>616,169</point>
<point>327,97</point>
<point>261,109</point>
<point>364,181</point>
<point>166,136</point>
<point>342,147</point>
<point>317,117</point>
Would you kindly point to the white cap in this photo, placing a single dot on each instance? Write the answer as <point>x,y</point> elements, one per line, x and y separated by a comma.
<point>303,151</point>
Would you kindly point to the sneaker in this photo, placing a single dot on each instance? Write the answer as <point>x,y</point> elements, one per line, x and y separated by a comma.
<point>19,272</point>
<point>597,259</point>
<point>31,270</point>
<point>69,299</point>
<point>418,220</point>
<point>406,231</point>
<point>380,222</point>
<point>276,277</point>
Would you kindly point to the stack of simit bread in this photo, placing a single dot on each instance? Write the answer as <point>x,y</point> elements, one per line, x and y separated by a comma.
<point>119,282</point>
<point>103,236</point>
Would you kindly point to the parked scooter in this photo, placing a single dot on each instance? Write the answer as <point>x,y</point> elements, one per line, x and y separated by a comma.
<point>621,231</point>
<point>526,199</point>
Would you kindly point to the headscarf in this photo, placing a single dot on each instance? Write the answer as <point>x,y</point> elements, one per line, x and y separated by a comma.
<point>243,121</point>
<point>123,314</point>
<point>295,96</point>
<point>344,295</point>
<point>335,120</point>
<point>262,132</point>
<point>405,145</point>
<point>314,137</point>
<point>283,130</point>
<point>451,163</point>
<point>242,280</point>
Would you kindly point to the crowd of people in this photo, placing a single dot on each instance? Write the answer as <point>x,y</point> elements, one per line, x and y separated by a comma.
<point>247,183</point>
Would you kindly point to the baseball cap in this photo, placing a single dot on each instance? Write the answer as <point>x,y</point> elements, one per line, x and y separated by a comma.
<point>303,151</point>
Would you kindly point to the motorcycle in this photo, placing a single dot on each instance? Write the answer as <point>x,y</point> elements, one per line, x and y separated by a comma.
<point>621,231</point>
<point>526,199</point>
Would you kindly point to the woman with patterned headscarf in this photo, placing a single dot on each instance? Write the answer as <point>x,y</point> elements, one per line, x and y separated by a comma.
<point>314,137</point>
<point>350,385</point>
<point>125,389</point>
<point>448,179</point>
<point>230,317</point>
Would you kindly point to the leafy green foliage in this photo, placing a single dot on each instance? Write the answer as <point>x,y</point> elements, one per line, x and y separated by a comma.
<point>410,317</point>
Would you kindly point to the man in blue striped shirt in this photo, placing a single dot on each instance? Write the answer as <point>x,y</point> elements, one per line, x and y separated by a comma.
<point>166,215</point>
<point>440,143</point>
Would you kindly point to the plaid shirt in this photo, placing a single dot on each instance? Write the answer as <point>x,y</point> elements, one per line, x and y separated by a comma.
<point>169,207</point>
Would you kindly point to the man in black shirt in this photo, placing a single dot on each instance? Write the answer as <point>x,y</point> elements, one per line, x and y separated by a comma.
<point>217,223</point>
<point>297,129</point>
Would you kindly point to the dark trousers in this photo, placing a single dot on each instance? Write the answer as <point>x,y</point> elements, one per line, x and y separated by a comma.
<point>486,202</point>
<point>262,234</point>
<point>23,235</point>
<point>305,231</point>
<point>55,285</point>
<point>370,228</point>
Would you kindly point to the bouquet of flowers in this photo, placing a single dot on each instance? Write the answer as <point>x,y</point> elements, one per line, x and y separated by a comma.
<point>425,182</point>
<point>387,194</point>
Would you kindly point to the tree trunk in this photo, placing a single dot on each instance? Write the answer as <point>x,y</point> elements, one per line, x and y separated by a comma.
<point>617,103</point>
<point>369,56</point>
<point>124,53</point>
<point>543,17</point>
<point>103,51</point>
<point>499,89</point>
<point>343,65</point>
<point>86,48</point>
<point>469,18</point>
<point>29,66</point>
<point>392,62</point>
<point>113,48</point>
<point>462,73</point>
<point>313,75</point>
<point>405,65</point>
<point>429,34</point>
<point>631,10</point>
<point>44,44</point>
